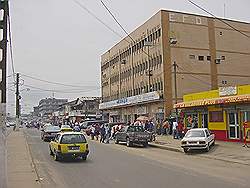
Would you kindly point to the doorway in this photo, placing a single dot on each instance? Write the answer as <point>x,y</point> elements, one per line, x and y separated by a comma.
<point>234,127</point>
<point>204,120</point>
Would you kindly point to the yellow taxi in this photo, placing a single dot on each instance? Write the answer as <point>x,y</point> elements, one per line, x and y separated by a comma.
<point>69,144</point>
<point>66,128</point>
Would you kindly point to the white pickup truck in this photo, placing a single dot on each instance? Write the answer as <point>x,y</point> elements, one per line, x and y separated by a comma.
<point>198,138</point>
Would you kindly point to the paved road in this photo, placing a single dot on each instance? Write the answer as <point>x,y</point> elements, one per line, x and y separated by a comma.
<point>116,166</point>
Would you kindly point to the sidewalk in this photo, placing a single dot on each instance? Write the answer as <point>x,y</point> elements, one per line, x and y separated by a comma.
<point>20,169</point>
<point>225,151</point>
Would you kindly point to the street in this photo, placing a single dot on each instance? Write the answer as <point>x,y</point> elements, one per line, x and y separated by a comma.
<point>111,165</point>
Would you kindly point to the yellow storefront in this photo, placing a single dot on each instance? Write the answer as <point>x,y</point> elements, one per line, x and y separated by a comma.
<point>223,111</point>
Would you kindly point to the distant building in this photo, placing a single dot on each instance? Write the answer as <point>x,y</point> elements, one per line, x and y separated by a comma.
<point>36,111</point>
<point>137,76</point>
<point>79,109</point>
<point>47,106</point>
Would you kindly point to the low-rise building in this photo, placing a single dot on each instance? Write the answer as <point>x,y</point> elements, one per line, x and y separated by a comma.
<point>224,111</point>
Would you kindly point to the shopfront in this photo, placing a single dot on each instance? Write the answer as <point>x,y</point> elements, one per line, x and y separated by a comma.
<point>223,111</point>
<point>129,108</point>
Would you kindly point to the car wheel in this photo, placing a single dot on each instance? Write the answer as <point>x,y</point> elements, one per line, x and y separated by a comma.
<point>185,150</point>
<point>145,144</point>
<point>84,158</point>
<point>213,143</point>
<point>208,148</point>
<point>56,157</point>
<point>128,143</point>
<point>116,140</point>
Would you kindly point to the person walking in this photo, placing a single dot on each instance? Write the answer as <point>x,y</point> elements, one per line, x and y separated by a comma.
<point>174,129</point>
<point>102,132</point>
<point>92,132</point>
<point>107,134</point>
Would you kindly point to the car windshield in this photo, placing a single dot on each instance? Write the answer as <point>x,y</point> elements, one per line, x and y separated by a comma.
<point>73,139</point>
<point>52,128</point>
<point>195,133</point>
<point>135,129</point>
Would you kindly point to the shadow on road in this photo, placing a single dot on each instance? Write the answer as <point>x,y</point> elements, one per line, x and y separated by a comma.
<point>197,152</point>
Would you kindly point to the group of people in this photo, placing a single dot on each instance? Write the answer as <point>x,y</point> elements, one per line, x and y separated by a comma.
<point>171,127</point>
<point>104,131</point>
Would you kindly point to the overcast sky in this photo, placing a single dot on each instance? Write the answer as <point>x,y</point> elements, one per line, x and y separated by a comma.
<point>57,40</point>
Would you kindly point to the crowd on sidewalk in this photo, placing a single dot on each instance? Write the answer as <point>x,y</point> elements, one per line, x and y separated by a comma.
<point>106,132</point>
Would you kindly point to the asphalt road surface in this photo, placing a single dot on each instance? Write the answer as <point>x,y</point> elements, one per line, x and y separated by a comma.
<point>116,166</point>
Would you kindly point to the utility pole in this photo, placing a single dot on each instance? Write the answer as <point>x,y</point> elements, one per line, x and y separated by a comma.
<point>175,89</point>
<point>17,103</point>
<point>149,73</point>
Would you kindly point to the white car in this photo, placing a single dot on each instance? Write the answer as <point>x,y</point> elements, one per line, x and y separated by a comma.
<point>198,138</point>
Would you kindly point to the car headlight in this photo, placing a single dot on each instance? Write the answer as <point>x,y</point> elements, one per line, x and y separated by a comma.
<point>202,142</point>
<point>184,142</point>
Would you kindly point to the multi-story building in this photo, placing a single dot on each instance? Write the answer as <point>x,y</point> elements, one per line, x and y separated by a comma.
<point>79,109</point>
<point>138,77</point>
<point>36,111</point>
<point>49,105</point>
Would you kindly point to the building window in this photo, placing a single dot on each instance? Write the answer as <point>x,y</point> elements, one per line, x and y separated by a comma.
<point>209,58</point>
<point>201,58</point>
<point>191,56</point>
<point>216,116</point>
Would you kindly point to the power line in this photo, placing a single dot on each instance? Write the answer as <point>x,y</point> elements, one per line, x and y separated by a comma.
<point>221,20</point>
<point>191,75</point>
<point>60,91</point>
<point>55,83</point>
<point>107,26</point>
<point>117,21</point>
<point>98,19</point>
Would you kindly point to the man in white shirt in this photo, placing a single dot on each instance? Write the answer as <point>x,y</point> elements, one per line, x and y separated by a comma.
<point>175,125</point>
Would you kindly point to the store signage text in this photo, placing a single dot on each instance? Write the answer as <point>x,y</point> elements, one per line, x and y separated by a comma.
<point>173,17</point>
<point>130,100</point>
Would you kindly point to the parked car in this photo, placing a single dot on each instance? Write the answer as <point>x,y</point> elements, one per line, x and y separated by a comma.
<point>66,128</point>
<point>132,135</point>
<point>49,132</point>
<point>69,144</point>
<point>198,138</point>
<point>86,124</point>
<point>12,123</point>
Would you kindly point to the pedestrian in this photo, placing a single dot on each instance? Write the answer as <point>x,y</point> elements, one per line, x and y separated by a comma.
<point>174,129</point>
<point>166,127</point>
<point>180,129</point>
<point>92,132</point>
<point>112,132</point>
<point>102,132</point>
<point>77,128</point>
<point>97,131</point>
<point>107,133</point>
<point>158,127</point>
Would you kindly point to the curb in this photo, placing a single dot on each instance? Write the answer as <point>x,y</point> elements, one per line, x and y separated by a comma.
<point>201,156</point>
<point>225,160</point>
<point>33,166</point>
<point>170,148</point>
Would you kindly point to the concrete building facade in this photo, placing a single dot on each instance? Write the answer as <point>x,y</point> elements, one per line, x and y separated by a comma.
<point>49,105</point>
<point>208,53</point>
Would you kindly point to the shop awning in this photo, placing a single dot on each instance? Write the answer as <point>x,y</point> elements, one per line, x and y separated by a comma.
<point>214,101</point>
